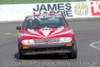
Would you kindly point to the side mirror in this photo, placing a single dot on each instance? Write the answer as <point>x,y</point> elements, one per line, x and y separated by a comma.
<point>18,28</point>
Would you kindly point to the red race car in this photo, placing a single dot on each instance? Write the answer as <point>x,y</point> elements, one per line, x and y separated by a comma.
<point>46,34</point>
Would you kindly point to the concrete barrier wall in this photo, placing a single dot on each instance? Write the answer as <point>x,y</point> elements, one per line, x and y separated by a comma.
<point>15,12</point>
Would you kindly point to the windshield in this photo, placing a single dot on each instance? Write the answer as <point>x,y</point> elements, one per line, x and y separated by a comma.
<point>44,22</point>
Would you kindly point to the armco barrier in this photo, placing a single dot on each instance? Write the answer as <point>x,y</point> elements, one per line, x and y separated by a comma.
<point>18,12</point>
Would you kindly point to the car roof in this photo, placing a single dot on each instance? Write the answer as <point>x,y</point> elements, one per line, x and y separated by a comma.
<point>44,15</point>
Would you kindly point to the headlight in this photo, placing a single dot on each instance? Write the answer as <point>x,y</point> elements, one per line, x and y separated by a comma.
<point>62,39</point>
<point>65,39</point>
<point>28,42</point>
<point>25,42</point>
<point>31,41</point>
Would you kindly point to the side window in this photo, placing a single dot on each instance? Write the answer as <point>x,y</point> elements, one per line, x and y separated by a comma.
<point>62,22</point>
<point>25,24</point>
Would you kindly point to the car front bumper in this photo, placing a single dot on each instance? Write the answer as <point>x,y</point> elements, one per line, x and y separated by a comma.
<point>47,49</point>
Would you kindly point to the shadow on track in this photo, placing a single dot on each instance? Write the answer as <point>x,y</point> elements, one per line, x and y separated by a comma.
<point>46,57</point>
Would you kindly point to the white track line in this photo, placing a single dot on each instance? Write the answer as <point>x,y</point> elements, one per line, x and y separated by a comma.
<point>93,45</point>
<point>10,34</point>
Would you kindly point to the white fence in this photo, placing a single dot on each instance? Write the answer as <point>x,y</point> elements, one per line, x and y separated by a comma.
<point>18,12</point>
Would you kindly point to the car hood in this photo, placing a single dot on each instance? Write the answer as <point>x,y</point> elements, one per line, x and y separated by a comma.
<point>47,32</point>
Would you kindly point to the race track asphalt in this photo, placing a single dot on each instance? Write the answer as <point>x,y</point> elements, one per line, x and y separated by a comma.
<point>86,31</point>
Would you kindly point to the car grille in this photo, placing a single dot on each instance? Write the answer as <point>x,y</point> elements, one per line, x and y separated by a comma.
<point>49,40</point>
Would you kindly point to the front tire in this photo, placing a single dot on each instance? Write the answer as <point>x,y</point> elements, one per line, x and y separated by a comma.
<point>21,56</point>
<point>73,54</point>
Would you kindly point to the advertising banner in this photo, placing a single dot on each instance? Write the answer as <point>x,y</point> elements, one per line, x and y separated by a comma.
<point>17,12</point>
<point>70,9</point>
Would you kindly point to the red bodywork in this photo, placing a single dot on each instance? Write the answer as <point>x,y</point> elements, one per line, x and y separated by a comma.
<point>57,32</point>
